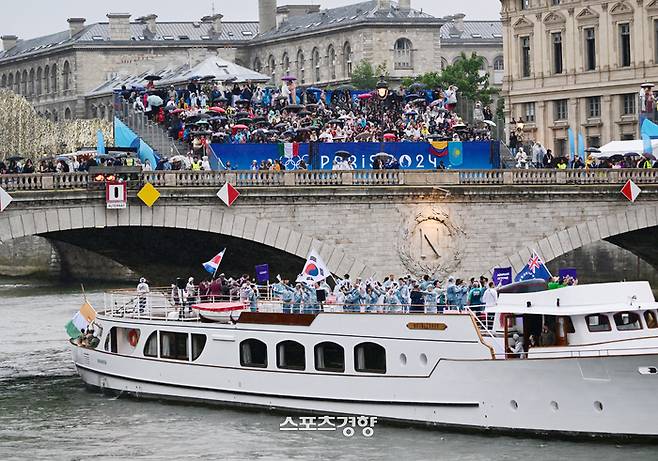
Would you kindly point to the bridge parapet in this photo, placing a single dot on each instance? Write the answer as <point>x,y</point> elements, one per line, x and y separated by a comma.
<point>365,178</point>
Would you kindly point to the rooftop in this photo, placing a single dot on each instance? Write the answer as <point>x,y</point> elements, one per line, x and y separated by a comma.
<point>473,31</point>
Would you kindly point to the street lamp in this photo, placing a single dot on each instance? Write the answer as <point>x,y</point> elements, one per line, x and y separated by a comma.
<point>382,88</point>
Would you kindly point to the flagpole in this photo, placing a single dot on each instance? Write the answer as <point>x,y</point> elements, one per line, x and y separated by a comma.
<point>220,261</point>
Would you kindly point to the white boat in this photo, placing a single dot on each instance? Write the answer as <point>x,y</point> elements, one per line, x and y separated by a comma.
<point>598,378</point>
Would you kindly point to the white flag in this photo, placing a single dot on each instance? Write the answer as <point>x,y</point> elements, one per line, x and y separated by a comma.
<point>315,270</point>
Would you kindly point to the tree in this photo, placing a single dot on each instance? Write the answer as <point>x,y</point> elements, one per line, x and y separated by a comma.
<point>466,74</point>
<point>365,76</point>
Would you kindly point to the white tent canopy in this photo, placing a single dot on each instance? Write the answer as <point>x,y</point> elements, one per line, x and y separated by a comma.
<point>217,68</point>
<point>625,147</point>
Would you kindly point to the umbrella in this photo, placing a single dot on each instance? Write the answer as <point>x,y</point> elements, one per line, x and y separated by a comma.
<point>411,112</point>
<point>196,118</point>
<point>242,114</point>
<point>289,78</point>
<point>631,154</point>
<point>416,87</point>
<point>195,77</point>
<point>154,100</point>
<point>459,126</point>
<point>311,107</point>
<point>436,103</point>
<point>202,122</point>
<point>593,150</point>
<point>334,122</point>
<point>647,85</point>
<point>303,113</point>
<point>138,87</point>
<point>390,136</point>
<point>489,122</point>
<point>293,107</point>
<point>412,96</point>
<point>239,127</point>
<point>365,96</point>
<point>221,99</point>
<point>281,126</point>
<point>347,87</point>
<point>208,77</point>
<point>363,136</point>
<point>303,130</point>
<point>218,110</point>
<point>15,158</point>
<point>343,154</point>
<point>245,121</point>
<point>151,78</point>
<point>313,89</point>
<point>243,101</point>
<point>616,158</point>
<point>419,101</point>
<point>649,156</point>
<point>177,158</point>
<point>177,111</point>
<point>384,157</point>
<point>262,123</point>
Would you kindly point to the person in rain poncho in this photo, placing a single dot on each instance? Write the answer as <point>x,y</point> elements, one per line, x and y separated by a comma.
<point>284,292</point>
<point>521,158</point>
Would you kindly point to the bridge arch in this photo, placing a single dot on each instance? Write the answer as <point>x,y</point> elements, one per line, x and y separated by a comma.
<point>560,242</point>
<point>212,219</point>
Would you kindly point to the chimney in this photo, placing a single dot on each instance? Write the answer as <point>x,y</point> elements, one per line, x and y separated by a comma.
<point>404,5</point>
<point>76,25</point>
<point>383,5</point>
<point>217,23</point>
<point>458,22</point>
<point>150,22</point>
<point>8,42</point>
<point>119,26</point>
<point>266,15</point>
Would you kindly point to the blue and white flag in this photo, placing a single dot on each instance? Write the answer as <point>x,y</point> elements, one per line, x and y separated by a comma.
<point>535,269</point>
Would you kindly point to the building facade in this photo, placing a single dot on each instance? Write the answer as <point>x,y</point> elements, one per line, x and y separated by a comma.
<point>578,64</point>
<point>57,73</point>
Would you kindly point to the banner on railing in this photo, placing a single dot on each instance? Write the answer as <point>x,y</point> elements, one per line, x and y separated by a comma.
<point>477,155</point>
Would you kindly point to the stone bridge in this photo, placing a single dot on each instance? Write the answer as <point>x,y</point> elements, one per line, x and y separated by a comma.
<point>362,222</point>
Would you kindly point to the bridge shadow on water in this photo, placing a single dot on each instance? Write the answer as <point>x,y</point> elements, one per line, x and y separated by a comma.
<point>162,254</point>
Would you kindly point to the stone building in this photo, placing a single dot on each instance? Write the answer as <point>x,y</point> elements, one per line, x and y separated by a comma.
<point>578,64</point>
<point>320,46</point>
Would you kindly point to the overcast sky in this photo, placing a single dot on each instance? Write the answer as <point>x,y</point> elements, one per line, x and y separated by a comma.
<point>32,18</point>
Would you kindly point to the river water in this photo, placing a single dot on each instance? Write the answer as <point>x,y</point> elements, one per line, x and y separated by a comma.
<point>46,413</point>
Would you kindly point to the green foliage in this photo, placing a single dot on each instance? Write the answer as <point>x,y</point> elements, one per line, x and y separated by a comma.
<point>465,74</point>
<point>365,76</point>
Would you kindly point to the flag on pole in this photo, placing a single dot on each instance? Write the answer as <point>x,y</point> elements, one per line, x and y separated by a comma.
<point>315,270</point>
<point>535,269</point>
<point>289,150</point>
<point>581,146</point>
<point>81,320</point>
<point>212,265</point>
<point>630,190</point>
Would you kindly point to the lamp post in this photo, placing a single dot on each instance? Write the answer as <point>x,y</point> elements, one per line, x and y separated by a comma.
<point>382,93</point>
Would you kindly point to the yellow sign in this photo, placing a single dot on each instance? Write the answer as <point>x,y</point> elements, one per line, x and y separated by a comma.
<point>426,326</point>
<point>148,194</point>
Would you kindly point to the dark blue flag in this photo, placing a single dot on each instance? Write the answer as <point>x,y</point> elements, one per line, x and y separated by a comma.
<point>535,269</point>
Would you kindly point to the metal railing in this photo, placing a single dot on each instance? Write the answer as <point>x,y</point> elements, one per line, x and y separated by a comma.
<point>367,178</point>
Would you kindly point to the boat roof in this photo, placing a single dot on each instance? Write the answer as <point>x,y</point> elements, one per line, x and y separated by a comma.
<point>579,299</point>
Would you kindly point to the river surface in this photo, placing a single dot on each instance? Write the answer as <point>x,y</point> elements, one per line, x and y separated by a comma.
<point>46,413</point>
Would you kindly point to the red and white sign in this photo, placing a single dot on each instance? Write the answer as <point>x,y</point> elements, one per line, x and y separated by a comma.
<point>630,190</point>
<point>5,199</point>
<point>116,195</point>
<point>228,194</point>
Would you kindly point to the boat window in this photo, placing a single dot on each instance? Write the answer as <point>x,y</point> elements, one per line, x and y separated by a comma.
<point>290,355</point>
<point>329,357</point>
<point>370,358</point>
<point>173,345</point>
<point>151,346</point>
<point>122,340</point>
<point>253,353</point>
<point>597,322</point>
<point>627,321</point>
<point>198,343</point>
<point>568,325</point>
<point>111,341</point>
<point>650,318</point>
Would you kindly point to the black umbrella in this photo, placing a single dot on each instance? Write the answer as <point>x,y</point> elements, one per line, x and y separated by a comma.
<point>303,130</point>
<point>293,107</point>
<point>412,96</point>
<point>242,114</point>
<point>244,102</point>
<point>281,126</point>
<point>311,107</point>
<point>151,78</point>
<point>416,87</point>
<point>245,121</point>
<point>303,113</point>
<point>347,87</point>
<point>343,154</point>
<point>263,123</point>
<point>335,121</point>
<point>196,118</point>
<point>384,157</point>
<point>631,154</point>
<point>14,158</point>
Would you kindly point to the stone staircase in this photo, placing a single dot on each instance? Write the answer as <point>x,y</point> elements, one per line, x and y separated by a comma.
<point>150,132</point>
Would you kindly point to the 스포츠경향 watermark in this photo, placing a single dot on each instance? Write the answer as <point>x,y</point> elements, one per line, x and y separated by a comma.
<point>348,424</point>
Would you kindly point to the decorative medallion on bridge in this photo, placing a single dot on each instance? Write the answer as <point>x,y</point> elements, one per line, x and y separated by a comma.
<point>431,244</point>
<point>148,194</point>
<point>5,199</point>
<point>228,194</point>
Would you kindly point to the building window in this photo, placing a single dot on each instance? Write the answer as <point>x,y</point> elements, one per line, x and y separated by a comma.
<point>66,75</point>
<point>53,78</point>
<point>402,54</point>
<point>316,64</point>
<point>285,63</point>
<point>173,346</point>
<point>271,67</point>
<point>627,321</point>
<point>32,88</point>
<point>524,4</point>
<point>39,81</point>
<point>655,36</point>
<point>329,357</point>
<point>198,344</point>
<point>46,80</point>
<point>370,358</point>
<point>347,59</point>
<point>593,141</point>
<point>590,49</point>
<point>650,318</point>
<point>525,56</point>
<point>555,2</point>
<point>301,64</point>
<point>331,58</point>
<point>628,104</point>
<point>625,45</point>
<point>258,67</point>
<point>594,107</point>
<point>253,353</point>
<point>290,355</point>
<point>499,63</point>
<point>67,114</point>
<point>560,145</point>
<point>560,110</point>
<point>529,111</point>
<point>556,39</point>
<point>597,322</point>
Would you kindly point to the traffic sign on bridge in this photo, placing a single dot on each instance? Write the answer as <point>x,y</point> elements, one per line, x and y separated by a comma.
<point>5,199</point>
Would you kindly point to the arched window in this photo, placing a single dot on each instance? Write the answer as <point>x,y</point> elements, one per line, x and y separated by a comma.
<point>315,58</point>
<point>102,112</point>
<point>39,82</point>
<point>17,83</point>
<point>499,63</point>
<point>253,353</point>
<point>271,67</point>
<point>370,358</point>
<point>402,53</point>
<point>285,64</point>
<point>301,64</point>
<point>258,66</point>
<point>290,355</point>
<point>53,78</point>
<point>3,81</point>
<point>347,59</point>
<point>67,113</point>
<point>94,111</point>
<point>444,63</point>
<point>24,86</point>
<point>329,357</point>
<point>66,75</point>
<point>331,59</point>
<point>31,88</point>
<point>46,79</point>
<point>151,345</point>
<point>55,116</point>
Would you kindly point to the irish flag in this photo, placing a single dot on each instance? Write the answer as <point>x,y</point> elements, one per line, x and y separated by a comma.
<point>289,149</point>
<point>81,320</point>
